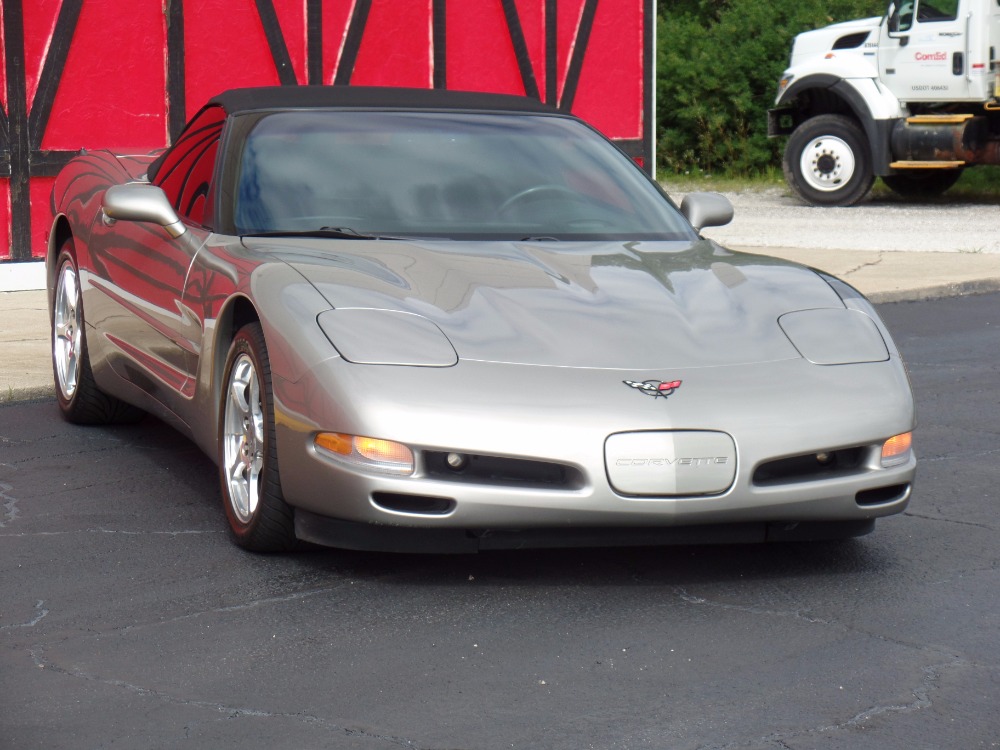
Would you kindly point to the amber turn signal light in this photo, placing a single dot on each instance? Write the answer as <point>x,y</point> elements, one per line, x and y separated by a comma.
<point>376,454</point>
<point>897,449</point>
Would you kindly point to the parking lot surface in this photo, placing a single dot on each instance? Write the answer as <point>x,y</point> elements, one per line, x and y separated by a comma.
<point>129,620</point>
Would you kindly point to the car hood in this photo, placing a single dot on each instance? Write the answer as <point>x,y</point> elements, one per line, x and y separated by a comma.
<point>631,305</point>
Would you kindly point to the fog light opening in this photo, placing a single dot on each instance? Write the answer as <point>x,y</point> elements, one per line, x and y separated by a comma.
<point>897,450</point>
<point>823,458</point>
<point>457,461</point>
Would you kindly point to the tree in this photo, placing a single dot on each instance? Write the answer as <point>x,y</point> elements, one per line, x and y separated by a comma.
<point>718,63</point>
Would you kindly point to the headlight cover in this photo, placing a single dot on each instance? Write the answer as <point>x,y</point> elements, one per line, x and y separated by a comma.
<point>368,336</point>
<point>834,336</point>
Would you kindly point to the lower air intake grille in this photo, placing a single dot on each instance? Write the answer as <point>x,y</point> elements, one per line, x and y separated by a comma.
<point>882,495</point>
<point>810,467</point>
<point>496,470</point>
<point>424,505</point>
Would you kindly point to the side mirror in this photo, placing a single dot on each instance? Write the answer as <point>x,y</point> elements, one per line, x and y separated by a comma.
<point>140,201</point>
<point>899,20</point>
<point>707,210</point>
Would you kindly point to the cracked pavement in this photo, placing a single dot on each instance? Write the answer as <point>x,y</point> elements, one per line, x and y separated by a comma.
<point>129,620</point>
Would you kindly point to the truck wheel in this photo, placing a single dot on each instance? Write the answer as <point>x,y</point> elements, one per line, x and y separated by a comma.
<point>922,183</point>
<point>828,162</point>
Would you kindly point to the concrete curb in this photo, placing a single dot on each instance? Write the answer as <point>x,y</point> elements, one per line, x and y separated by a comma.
<point>897,276</point>
<point>940,291</point>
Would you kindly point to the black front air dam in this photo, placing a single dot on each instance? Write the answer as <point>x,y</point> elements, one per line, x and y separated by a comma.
<point>330,532</point>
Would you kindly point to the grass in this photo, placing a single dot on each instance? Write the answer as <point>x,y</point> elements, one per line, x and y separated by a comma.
<point>724,183</point>
<point>976,185</point>
<point>979,183</point>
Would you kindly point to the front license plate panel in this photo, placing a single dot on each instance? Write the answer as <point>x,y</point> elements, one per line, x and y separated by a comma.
<point>673,463</point>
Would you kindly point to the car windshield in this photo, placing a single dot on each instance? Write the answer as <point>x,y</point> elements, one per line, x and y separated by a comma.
<point>443,175</point>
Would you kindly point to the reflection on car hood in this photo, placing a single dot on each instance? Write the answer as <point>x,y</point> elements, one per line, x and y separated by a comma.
<point>633,305</point>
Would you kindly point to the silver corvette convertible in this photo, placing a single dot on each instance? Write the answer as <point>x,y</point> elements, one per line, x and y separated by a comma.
<point>438,321</point>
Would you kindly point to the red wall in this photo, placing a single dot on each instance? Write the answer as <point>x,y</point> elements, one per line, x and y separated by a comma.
<point>124,76</point>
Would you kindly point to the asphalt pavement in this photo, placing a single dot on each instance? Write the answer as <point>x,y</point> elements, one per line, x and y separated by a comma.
<point>129,620</point>
<point>884,276</point>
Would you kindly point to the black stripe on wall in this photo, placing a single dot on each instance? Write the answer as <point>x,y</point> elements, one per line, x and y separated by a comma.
<point>516,32</point>
<point>352,44</point>
<point>52,70</point>
<point>276,42</point>
<point>551,52</point>
<point>176,84</point>
<point>4,134</point>
<point>579,53</point>
<point>314,42</point>
<point>18,143</point>
<point>440,36</point>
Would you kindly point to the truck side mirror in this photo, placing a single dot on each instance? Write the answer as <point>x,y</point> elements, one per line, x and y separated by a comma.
<point>899,19</point>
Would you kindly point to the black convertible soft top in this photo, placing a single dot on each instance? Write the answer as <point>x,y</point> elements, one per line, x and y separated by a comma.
<point>297,97</point>
<point>264,98</point>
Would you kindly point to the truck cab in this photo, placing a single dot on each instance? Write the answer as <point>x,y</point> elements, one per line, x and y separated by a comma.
<point>910,97</point>
<point>931,51</point>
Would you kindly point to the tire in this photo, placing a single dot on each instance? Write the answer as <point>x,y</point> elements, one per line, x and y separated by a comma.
<point>922,183</point>
<point>828,161</point>
<point>259,518</point>
<point>77,394</point>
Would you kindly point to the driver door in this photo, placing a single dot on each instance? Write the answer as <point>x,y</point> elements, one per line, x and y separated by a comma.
<point>923,50</point>
<point>151,337</point>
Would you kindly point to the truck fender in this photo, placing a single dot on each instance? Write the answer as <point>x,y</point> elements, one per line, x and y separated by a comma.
<point>876,130</point>
<point>815,81</point>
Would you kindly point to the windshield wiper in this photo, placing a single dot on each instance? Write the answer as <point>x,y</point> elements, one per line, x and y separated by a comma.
<point>340,233</point>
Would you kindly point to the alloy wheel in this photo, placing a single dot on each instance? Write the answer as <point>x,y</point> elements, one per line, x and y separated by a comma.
<point>67,321</point>
<point>243,438</point>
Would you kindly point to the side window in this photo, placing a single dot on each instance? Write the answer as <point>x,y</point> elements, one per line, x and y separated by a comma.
<point>185,171</point>
<point>901,16</point>
<point>937,10</point>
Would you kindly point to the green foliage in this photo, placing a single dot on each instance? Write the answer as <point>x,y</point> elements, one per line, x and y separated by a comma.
<point>979,184</point>
<point>717,66</point>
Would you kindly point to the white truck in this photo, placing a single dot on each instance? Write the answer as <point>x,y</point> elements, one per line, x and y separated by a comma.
<point>912,97</point>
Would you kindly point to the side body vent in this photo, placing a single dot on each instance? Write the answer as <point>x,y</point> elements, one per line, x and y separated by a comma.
<point>851,41</point>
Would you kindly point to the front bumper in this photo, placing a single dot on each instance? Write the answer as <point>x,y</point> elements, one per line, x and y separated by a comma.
<point>781,121</point>
<point>564,418</point>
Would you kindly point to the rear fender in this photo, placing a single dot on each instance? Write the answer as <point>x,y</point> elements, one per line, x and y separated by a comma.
<point>58,235</point>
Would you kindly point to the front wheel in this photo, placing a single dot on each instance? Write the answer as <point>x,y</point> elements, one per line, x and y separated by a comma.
<point>259,518</point>
<point>827,161</point>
